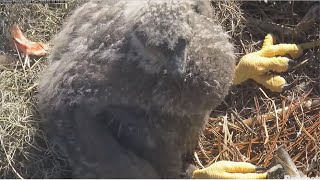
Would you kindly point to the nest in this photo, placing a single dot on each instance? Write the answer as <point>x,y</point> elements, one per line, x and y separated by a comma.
<point>253,122</point>
<point>244,128</point>
<point>25,151</point>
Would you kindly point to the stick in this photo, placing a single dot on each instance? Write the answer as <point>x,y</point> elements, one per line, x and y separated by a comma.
<point>267,117</point>
<point>270,27</point>
<point>271,115</point>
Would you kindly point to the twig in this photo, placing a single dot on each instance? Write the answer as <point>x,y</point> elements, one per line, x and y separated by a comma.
<point>271,115</point>
<point>202,150</point>
<point>8,159</point>
<point>32,87</point>
<point>271,27</point>
<point>241,122</point>
<point>265,130</point>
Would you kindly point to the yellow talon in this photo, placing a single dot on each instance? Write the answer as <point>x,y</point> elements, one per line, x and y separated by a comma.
<point>255,65</point>
<point>229,170</point>
<point>273,82</point>
<point>270,50</point>
<point>268,41</point>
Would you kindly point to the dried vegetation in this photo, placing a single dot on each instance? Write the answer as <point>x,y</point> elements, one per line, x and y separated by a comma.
<point>244,128</point>
<point>253,122</point>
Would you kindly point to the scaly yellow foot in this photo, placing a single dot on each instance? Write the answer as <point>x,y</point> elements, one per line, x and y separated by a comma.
<point>255,65</point>
<point>229,170</point>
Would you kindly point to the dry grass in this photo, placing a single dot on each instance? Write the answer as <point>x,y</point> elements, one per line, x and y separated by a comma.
<point>25,151</point>
<point>24,148</point>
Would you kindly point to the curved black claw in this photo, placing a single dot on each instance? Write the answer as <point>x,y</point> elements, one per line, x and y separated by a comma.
<point>292,64</point>
<point>261,169</point>
<point>287,87</point>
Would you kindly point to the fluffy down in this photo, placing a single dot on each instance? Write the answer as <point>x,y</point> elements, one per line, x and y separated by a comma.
<point>131,83</point>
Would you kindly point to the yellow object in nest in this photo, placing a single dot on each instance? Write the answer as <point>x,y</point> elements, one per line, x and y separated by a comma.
<point>229,170</point>
<point>256,65</point>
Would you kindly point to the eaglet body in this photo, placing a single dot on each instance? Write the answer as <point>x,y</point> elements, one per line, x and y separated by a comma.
<point>130,85</point>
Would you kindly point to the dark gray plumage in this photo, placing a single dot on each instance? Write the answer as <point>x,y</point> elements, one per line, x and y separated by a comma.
<point>131,84</point>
